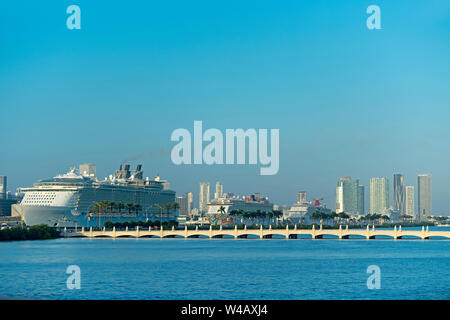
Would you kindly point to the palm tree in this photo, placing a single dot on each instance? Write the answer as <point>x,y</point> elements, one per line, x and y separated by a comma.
<point>316,216</point>
<point>277,214</point>
<point>97,208</point>
<point>270,216</point>
<point>160,207</point>
<point>233,214</point>
<point>259,215</point>
<point>175,206</point>
<point>130,207</point>
<point>112,205</point>
<point>137,208</point>
<point>246,216</point>
<point>333,215</point>
<point>241,213</point>
<point>120,206</point>
<point>167,206</point>
<point>103,206</point>
<point>253,216</point>
<point>221,210</point>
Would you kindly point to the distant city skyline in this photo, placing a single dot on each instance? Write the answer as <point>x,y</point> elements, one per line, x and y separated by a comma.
<point>379,194</point>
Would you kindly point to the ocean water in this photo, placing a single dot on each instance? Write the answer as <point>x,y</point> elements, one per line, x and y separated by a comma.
<point>225,269</point>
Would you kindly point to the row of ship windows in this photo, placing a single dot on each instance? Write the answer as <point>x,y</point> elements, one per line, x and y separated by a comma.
<point>25,202</point>
<point>41,196</point>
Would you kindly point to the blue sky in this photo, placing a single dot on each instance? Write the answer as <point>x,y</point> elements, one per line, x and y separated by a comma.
<point>347,100</point>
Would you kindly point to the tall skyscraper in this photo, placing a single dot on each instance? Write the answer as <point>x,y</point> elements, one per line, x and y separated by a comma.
<point>379,195</point>
<point>349,196</point>
<point>399,193</point>
<point>88,169</point>
<point>409,201</point>
<point>3,185</point>
<point>301,197</point>
<point>203,197</point>
<point>360,200</point>
<point>183,205</point>
<point>424,195</point>
<point>219,190</point>
<point>190,200</point>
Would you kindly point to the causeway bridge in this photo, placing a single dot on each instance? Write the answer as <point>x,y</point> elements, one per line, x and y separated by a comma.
<point>261,233</point>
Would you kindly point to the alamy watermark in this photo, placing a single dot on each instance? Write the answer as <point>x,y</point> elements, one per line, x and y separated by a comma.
<point>74,280</point>
<point>374,20</point>
<point>235,150</point>
<point>374,280</point>
<point>74,20</point>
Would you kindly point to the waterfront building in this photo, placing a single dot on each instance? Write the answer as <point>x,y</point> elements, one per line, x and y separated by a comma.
<point>409,201</point>
<point>349,196</point>
<point>203,198</point>
<point>6,204</point>
<point>399,193</point>
<point>6,198</point>
<point>379,195</point>
<point>424,196</point>
<point>219,190</point>
<point>88,170</point>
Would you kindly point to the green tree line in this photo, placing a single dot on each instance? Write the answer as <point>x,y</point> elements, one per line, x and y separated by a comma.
<point>37,232</point>
<point>251,217</point>
<point>107,208</point>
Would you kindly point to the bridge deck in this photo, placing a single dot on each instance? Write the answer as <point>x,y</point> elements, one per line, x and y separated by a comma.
<point>341,233</point>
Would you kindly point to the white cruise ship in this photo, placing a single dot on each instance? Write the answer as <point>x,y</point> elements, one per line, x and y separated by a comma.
<point>231,203</point>
<point>68,200</point>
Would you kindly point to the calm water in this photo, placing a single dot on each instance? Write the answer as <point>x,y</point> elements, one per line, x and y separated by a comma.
<point>225,269</point>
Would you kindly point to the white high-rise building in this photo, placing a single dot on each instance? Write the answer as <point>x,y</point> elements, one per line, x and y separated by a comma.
<point>190,200</point>
<point>379,195</point>
<point>203,197</point>
<point>409,200</point>
<point>219,190</point>
<point>88,170</point>
<point>302,197</point>
<point>424,195</point>
<point>349,196</point>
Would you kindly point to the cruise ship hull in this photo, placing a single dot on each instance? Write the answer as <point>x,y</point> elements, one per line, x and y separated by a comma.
<point>50,215</point>
<point>67,217</point>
